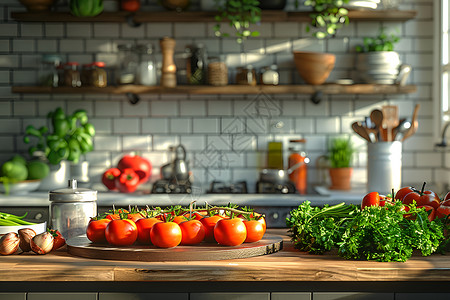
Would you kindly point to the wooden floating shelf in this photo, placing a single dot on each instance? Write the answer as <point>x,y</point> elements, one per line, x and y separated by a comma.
<point>330,89</point>
<point>203,16</point>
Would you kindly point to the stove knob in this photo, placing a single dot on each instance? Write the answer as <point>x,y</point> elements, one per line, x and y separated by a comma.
<point>275,216</point>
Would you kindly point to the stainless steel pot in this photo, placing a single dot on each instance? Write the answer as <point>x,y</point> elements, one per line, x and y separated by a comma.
<point>278,175</point>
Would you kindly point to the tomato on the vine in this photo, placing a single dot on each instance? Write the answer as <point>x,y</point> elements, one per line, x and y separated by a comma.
<point>444,209</point>
<point>95,230</point>
<point>430,210</point>
<point>144,226</point>
<point>135,216</point>
<point>230,232</point>
<point>122,232</point>
<point>371,199</point>
<point>209,223</point>
<point>58,239</point>
<point>192,232</point>
<point>179,219</point>
<point>255,231</point>
<point>165,234</point>
<point>115,214</point>
<point>401,193</point>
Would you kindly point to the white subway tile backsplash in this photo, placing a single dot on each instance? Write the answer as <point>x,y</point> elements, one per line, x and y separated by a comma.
<point>79,30</point>
<point>107,143</point>
<point>136,143</point>
<point>427,160</point>
<point>189,30</point>
<point>24,77</point>
<point>328,125</point>
<point>107,108</point>
<point>5,109</point>
<point>126,126</point>
<point>205,125</point>
<point>54,29</point>
<point>24,45</point>
<point>155,125</point>
<point>286,29</point>
<point>305,125</point>
<point>70,46</point>
<point>103,30</point>
<point>193,108</point>
<point>98,45</point>
<point>10,126</point>
<point>193,142</point>
<point>164,108</point>
<point>159,30</point>
<point>8,30</point>
<point>140,109</point>
<point>163,142</point>
<point>132,32</point>
<point>102,125</point>
<point>48,45</point>
<point>216,143</point>
<point>180,125</point>
<point>6,144</point>
<point>24,108</point>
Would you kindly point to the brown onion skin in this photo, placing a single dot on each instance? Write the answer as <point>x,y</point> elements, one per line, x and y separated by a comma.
<point>42,243</point>
<point>25,235</point>
<point>9,243</point>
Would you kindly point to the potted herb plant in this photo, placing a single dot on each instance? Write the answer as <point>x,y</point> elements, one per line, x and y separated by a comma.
<point>240,14</point>
<point>376,60</point>
<point>70,137</point>
<point>340,157</point>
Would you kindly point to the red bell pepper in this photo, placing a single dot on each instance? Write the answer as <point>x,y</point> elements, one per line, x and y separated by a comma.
<point>127,182</point>
<point>109,178</point>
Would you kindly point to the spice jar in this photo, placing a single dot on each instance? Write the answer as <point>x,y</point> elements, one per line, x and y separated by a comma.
<point>48,71</point>
<point>85,75</point>
<point>297,165</point>
<point>72,74</point>
<point>98,76</point>
<point>217,72</point>
<point>246,75</point>
<point>269,75</point>
<point>71,209</point>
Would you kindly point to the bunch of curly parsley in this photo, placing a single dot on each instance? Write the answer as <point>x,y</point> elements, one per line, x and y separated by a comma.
<point>317,230</point>
<point>375,233</point>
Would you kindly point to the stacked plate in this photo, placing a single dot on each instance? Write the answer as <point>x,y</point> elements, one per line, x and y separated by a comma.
<point>362,4</point>
<point>378,67</point>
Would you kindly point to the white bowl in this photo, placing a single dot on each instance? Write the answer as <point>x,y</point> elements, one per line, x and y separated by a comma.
<point>38,228</point>
<point>21,188</point>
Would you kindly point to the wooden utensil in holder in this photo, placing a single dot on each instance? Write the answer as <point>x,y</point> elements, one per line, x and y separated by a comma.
<point>169,69</point>
<point>390,120</point>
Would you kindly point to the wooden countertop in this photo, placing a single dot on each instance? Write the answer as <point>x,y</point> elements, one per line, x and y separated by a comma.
<point>288,265</point>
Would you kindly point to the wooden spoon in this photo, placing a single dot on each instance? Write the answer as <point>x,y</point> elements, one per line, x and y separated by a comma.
<point>361,131</point>
<point>414,123</point>
<point>377,118</point>
<point>390,119</point>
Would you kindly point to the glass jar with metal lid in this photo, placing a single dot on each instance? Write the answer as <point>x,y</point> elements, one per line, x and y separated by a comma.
<point>48,70</point>
<point>71,209</point>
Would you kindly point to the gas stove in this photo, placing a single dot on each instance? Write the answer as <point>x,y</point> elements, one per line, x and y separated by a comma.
<point>220,187</point>
<point>265,187</point>
<point>164,186</point>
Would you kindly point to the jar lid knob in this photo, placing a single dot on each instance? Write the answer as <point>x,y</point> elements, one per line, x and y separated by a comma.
<point>73,184</point>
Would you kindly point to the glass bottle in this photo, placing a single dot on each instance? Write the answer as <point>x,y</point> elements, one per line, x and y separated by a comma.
<point>298,165</point>
<point>197,64</point>
<point>146,72</point>
<point>246,75</point>
<point>128,61</point>
<point>85,74</point>
<point>48,71</point>
<point>72,74</point>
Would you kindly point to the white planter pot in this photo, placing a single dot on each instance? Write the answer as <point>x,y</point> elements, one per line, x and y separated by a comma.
<point>57,178</point>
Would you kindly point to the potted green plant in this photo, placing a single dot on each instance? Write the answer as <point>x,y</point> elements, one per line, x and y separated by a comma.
<point>327,17</point>
<point>70,137</point>
<point>340,156</point>
<point>377,62</point>
<point>240,14</point>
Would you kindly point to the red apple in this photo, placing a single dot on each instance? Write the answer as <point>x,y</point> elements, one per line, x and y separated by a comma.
<point>444,209</point>
<point>401,193</point>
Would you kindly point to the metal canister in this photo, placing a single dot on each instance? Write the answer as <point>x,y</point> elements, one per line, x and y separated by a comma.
<point>71,209</point>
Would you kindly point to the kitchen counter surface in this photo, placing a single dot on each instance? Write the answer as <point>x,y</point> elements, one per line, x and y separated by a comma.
<point>286,265</point>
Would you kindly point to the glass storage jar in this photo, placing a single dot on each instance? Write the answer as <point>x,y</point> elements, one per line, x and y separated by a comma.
<point>72,74</point>
<point>269,75</point>
<point>85,74</point>
<point>217,72</point>
<point>48,70</point>
<point>71,209</point>
<point>197,64</point>
<point>98,75</point>
<point>128,61</point>
<point>146,72</point>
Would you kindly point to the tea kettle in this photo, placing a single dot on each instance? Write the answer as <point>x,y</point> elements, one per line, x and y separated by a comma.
<point>178,169</point>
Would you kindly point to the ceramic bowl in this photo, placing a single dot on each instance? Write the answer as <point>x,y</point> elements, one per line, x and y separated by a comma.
<point>21,188</point>
<point>38,228</point>
<point>37,5</point>
<point>314,67</point>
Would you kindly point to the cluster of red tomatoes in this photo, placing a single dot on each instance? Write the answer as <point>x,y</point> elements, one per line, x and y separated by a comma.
<point>426,199</point>
<point>170,229</point>
<point>131,171</point>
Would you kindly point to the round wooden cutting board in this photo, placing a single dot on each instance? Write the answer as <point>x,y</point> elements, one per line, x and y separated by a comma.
<point>81,246</point>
